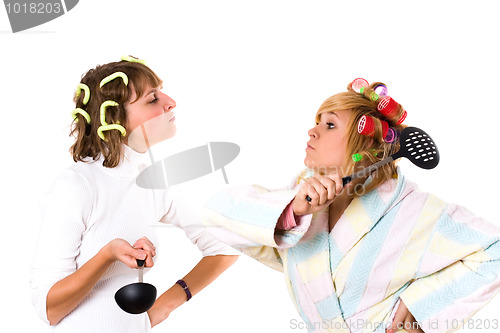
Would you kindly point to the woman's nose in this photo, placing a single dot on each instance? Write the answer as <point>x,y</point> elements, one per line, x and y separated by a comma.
<point>169,104</point>
<point>312,133</point>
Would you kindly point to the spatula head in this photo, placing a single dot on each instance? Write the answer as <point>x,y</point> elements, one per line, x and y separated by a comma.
<point>418,147</point>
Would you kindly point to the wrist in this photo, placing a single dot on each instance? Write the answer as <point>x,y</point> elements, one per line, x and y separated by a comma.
<point>171,299</point>
<point>107,254</point>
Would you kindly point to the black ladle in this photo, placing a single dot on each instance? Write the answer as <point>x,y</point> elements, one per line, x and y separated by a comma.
<point>414,144</point>
<point>138,297</point>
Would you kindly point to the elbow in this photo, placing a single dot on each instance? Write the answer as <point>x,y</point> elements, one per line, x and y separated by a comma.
<point>52,318</point>
<point>53,323</point>
<point>230,260</point>
<point>43,307</point>
<point>226,260</point>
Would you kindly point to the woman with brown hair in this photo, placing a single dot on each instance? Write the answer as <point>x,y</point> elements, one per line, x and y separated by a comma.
<point>97,221</point>
<point>376,255</point>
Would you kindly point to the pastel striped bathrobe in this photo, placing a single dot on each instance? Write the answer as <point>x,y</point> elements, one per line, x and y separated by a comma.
<point>392,243</point>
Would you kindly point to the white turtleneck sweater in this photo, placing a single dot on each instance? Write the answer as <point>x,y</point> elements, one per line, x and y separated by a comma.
<point>88,206</point>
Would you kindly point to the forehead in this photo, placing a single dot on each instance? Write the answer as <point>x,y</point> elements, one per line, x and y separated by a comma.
<point>141,89</point>
<point>339,115</point>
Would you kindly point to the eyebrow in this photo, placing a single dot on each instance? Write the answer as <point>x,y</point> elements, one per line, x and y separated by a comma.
<point>151,91</point>
<point>332,113</point>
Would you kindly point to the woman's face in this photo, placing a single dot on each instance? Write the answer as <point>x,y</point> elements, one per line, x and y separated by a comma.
<point>150,118</point>
<point>326,148</point>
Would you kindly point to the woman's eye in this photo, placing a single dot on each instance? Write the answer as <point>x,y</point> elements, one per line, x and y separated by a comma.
<point>330,125</point>
<point>153,100</point>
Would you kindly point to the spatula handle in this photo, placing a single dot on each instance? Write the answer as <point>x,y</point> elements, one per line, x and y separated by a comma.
<point>140,262</point>
<point>346,180</point>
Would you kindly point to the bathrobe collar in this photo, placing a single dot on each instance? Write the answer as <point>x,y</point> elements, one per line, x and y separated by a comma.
<point>364,212</point>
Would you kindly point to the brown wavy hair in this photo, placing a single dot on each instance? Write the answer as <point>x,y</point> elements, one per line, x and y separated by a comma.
<point>373,149</point>
<point>88,144</point>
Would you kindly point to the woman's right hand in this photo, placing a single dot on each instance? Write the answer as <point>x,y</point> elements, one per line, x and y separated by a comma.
<point>120,249</point>
<point>322,189</point>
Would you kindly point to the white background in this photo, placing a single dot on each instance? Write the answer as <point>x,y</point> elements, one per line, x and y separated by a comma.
<point>253,73</point>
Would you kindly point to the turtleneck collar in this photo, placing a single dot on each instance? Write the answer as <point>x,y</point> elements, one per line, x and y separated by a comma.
<point>132,164</point>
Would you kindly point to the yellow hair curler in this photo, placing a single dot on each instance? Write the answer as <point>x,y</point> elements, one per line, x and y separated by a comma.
<point>82,112</point>
<point>133,59</point>
<point>85,88</point>
<point>104,125</point>
<point>113,76</point>
<point>103,128</point>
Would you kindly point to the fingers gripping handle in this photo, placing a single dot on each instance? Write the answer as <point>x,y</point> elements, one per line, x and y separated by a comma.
<point>366,171</point>
<point>346,180</point>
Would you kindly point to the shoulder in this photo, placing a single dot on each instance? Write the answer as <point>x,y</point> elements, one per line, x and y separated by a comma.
<point>73,181</point>
<point>434,207</point>
<point>70,194</point>
<point>409,191</point>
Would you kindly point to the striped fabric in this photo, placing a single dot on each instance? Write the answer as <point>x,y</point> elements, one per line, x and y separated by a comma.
<point>392,243</point>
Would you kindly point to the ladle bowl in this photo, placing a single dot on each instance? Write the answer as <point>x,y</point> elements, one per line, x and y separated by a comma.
<point>137,297</point>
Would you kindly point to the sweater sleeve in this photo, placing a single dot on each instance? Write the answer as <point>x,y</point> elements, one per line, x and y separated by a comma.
<point>64,212</point>
<point>246,218</point>
<point>460,272</point>
<point>188,219</point>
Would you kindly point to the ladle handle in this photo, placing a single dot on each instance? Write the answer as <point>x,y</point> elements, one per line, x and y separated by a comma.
<point>140,263</point>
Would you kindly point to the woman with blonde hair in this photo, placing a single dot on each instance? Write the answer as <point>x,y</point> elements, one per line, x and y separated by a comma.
<point>376,255</point>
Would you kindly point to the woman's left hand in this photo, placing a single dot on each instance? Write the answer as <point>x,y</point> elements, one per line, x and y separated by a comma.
<point>403,319</point>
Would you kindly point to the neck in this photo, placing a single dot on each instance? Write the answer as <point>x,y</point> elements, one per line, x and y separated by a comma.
<point>134,145</point>
<point>343,200</point>
<point>138,140</point>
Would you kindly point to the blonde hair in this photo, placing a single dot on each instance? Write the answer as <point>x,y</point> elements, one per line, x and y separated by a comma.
<point>87,141</point>
<point>372,149</point>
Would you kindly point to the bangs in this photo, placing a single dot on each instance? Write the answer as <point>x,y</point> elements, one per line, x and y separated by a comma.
<point>345,101</point>
<point>141,77</point>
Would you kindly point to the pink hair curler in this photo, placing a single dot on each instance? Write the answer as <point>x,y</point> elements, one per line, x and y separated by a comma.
<point>381,90</point>
<point>359,83</point>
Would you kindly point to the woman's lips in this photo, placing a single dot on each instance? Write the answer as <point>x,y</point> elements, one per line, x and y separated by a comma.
<point>172,119</point>
<point>309,147</point>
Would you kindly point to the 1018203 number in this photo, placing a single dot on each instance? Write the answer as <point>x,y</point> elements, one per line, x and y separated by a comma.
<point>34,8</point>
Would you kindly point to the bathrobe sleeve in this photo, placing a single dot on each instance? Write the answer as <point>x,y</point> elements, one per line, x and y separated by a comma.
<point>458,274</point>
<point>246,217</point>
<point>186,217</point>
